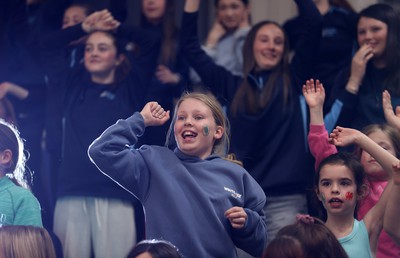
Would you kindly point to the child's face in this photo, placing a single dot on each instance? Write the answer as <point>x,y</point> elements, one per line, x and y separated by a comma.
<point>195,129</point>
<point>371,166</point>
<point>337,189</point>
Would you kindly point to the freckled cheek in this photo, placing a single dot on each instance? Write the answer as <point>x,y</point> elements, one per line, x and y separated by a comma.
<point>349,196</point>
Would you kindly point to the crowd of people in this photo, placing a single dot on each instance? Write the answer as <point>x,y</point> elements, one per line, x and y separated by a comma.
<point>264,140</point>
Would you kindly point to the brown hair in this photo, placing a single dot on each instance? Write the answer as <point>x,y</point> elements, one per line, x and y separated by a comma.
<point>249,99</point>
<point>25,241</point>
<point>315,238</point>
<point>170,34</point>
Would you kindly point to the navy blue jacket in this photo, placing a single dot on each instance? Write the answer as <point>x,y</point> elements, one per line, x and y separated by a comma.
<point>272,144</point>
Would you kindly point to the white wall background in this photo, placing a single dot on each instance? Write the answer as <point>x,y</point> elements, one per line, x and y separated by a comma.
<point>281,10</point>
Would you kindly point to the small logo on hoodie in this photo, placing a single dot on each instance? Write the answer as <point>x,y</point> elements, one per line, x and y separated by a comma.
<point>234,194</point>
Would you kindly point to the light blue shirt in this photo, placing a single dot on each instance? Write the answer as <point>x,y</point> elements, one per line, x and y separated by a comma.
<point>356,244</point>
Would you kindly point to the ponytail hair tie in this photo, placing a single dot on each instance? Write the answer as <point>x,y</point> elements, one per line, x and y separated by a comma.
<point>305,218</point>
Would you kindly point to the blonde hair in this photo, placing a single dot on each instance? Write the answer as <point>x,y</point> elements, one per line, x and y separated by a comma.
<point>25,241</point>
<point>221,146</point>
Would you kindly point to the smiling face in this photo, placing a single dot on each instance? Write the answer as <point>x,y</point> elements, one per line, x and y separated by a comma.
<point>153,10</point>
<point>371,166</point>
<point>195,129</point>
<point>374,33</point>
<point>101,56</point>
<point>337,189</point>
<point>268,47</point>
<point>231,13</point>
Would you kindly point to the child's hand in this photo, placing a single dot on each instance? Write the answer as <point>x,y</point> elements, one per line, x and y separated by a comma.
<point>236,216</point>
<point>314,93</point>
<point>154,115</point>
<point>341,136</point>
<point>392,118</point>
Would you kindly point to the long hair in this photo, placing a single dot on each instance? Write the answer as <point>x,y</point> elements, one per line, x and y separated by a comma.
<point>386,14</point>
<point>25,241</point>
<point>10,140</point>
<point>249,99</point>
<point>221,146</point>
<point>170,34</point>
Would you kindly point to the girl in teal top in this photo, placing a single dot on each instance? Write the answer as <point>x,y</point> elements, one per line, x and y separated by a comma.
<point>18,206</point>
<point>339,185</point>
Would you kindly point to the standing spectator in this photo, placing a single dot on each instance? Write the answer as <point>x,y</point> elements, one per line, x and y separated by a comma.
<point>93,216</point>
<point>338,39</point>
<point>224,43</point>
<point>375,67</point>
<point>216,204</point>
<point>265,108</point>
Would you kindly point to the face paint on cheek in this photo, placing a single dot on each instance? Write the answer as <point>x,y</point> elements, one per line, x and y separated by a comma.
<point>323,199</point>
<point>349,196</point>
<point>206,131</point>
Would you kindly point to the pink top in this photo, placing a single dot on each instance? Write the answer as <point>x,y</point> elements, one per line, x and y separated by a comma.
<point>320,148</point>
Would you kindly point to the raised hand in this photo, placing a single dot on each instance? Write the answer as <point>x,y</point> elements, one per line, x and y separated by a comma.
<point>341,136</point>
<point>7,88</point>
<point>236,216</point>
<point>216,32</point>
<point>154,115</point>
<point>314,93</point>
<point>100,20</point>
<point>245,23</point>
<point>392,118</point>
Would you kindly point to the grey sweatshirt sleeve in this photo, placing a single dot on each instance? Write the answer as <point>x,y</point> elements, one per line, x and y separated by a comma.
<point>115,155</point>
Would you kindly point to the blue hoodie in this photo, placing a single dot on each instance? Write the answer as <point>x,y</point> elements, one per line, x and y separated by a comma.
<point>184,197</point>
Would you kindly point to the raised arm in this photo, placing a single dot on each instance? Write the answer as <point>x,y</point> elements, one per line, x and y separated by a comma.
<point>320,148</point>
<point>114,151</point>
<point>392,117</point>
<point>374,218</point>
<point>308,41</point>
<point>219,80</point>
<point>346,136</point>
<point>13,89</point>
<point>391,222</point>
